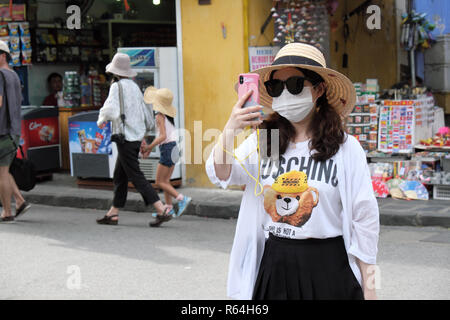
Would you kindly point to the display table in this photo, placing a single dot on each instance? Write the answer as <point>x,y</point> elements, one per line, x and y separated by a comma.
<point>432,148</point>
<point>64,114</point>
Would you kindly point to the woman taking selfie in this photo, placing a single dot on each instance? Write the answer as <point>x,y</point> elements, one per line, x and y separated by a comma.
<point>308,223</point>
<point>131,121</point>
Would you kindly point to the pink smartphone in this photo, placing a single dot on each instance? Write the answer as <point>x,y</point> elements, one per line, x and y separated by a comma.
<point>247,82</point>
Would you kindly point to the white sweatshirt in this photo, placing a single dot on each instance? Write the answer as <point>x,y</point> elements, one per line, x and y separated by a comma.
<point>139,119</point>
<point>360,215</point>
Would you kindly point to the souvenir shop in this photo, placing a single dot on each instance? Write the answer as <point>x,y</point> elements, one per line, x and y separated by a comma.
<point>406,142</point>
<point>62,70</point>
<point>402,128</point>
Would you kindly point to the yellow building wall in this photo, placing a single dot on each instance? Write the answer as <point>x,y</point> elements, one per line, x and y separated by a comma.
<point>211,65</point>
<point>371,53</point>
<point>258,10</point>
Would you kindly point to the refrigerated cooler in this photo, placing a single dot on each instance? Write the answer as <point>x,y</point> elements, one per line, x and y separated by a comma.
<point>156,67</point>
<point>40,137</point>
<point>92,155</point>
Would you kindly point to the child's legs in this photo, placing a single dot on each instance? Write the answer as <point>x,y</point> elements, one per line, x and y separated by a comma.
<point>167,195</point>
<point>163,174</point>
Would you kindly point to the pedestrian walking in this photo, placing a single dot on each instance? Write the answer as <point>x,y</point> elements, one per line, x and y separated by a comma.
<point>161,100</point>
<point>131,121</point>
<point>10,130</point>
<point>310,228</point>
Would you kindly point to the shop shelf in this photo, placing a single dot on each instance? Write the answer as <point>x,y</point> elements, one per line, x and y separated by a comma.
<point>441,192</point>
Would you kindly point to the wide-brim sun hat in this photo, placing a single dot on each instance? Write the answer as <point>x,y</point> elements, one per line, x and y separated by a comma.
<point>121,66</point>
<point>149,94</point>
<point>340,91</point>
<point>161,99</point>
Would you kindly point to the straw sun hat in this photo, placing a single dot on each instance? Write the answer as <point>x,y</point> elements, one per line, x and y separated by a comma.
<point>341,93</point>
<point>161,99</point>
<point>120,65</point>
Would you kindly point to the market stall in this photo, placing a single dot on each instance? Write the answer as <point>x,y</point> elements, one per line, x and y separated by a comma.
<point>407,150</point>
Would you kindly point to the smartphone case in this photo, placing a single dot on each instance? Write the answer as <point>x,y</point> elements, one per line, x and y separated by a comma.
<point>247,82</point>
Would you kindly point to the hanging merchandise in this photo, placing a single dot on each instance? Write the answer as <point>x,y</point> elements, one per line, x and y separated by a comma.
<point>71,89</point>
<point>14,43</point>
<point>25,39</point>
<point>301,21</point>
<point>95,86</point>
<point>85,91</point>
<point>416,34</point>
<point>416,31</point>
<point>362,123</point>
<point>332,6</point>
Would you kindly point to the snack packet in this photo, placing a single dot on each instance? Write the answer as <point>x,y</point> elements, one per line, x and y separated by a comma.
<point>13,29</point>
<point>26,57</point>
<point>26,43</point>
<point>15,59</point>
<point>4,30</point>
<point>24,28</point>
<point>14,44</point>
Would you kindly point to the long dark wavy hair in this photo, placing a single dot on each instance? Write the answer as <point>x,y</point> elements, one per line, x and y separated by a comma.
<point>326,128</point>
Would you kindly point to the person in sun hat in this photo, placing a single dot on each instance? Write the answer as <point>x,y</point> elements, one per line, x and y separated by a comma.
<point>316,237</point>
<point>128,131</point>
<point>161,100</point>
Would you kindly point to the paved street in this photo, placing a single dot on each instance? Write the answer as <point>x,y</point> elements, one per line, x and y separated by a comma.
<point>60,253</point>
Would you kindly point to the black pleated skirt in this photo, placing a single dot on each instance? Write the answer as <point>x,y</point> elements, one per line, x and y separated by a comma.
<point>307,269</point>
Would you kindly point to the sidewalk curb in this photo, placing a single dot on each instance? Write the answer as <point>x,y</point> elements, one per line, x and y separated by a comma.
<point>223,210</point>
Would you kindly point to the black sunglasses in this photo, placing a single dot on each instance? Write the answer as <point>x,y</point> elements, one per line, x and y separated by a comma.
<point>275,87</point>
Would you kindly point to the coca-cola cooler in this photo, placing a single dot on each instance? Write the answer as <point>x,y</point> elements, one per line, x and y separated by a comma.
<point>92,155</point>
<point>40,137</point>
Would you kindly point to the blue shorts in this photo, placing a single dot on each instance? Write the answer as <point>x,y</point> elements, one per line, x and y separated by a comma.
<point>169,154</point>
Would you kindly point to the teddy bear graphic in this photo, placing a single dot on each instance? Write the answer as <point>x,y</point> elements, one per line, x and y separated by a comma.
<point>290,200</point>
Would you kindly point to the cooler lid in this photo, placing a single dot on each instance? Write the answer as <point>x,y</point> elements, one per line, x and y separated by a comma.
<point>34,112</point>
<point>91,116</point>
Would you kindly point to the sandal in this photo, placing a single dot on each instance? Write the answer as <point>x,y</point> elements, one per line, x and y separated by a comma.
<point>7,219</point>
<point>22,209</point>
<point>160,218</point>
<point>108,220</point>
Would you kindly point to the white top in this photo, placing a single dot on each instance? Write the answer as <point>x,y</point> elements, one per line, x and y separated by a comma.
<point>325,220</point>
<point>138,116</point>
<point>170,131</point>
<point>360,215</point>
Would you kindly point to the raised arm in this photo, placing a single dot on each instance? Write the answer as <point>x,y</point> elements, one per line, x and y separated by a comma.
<point>239,119</point>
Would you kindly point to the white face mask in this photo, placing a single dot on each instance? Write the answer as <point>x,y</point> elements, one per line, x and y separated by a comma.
<point>295,108</point>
